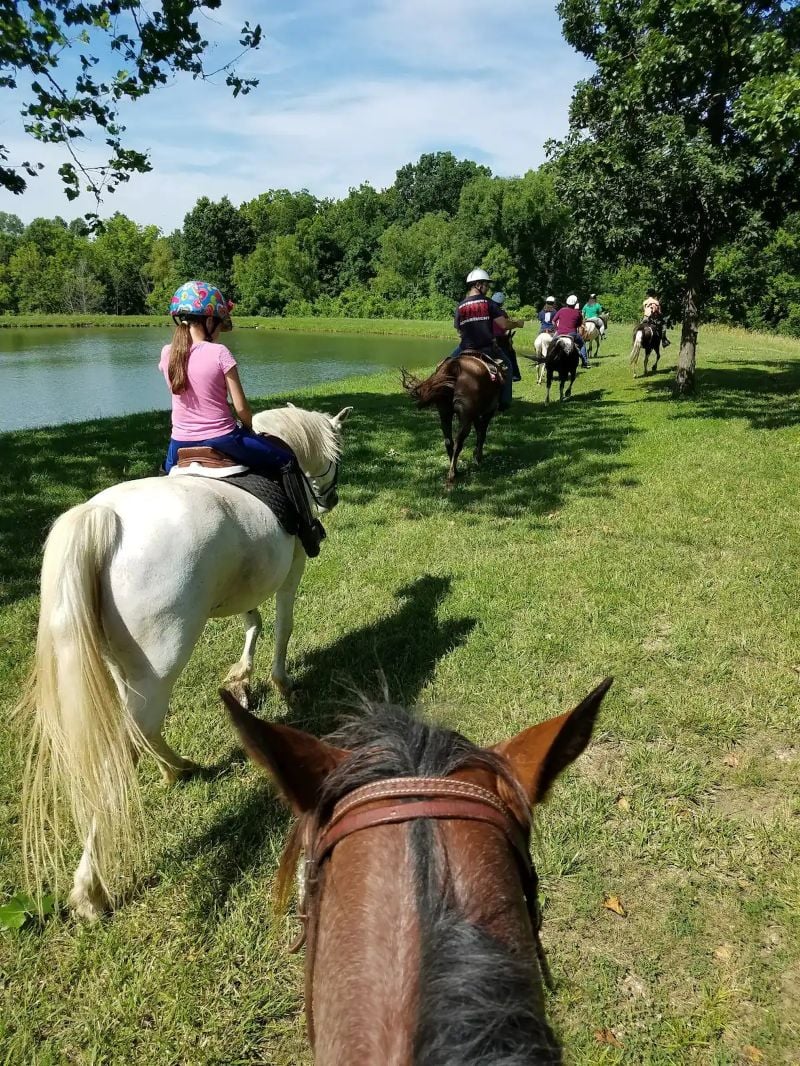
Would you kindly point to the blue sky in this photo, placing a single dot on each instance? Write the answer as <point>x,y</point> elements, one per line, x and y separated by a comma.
<point>349,92</point>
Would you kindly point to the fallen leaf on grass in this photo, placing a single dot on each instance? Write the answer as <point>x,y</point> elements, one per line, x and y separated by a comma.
<point>723,952</point>
<point>612,903</point>
<point>634,986</point>
<point>730,759</point>
<point>752,1054</point>
<point>624,803</point>
<point>606,1036</point>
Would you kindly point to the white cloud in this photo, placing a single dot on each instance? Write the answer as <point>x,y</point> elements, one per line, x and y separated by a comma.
<point>346,106</point>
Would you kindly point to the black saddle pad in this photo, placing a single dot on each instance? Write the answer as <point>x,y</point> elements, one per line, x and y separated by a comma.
<point>268,491</point>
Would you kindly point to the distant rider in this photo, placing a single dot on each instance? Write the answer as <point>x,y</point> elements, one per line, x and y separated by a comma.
<point>592,310</point>
<point>567,321</point>
<point>651,309</point>
<point>473,320</point>
<point>201,373</point>
<point>503,337</point>
<point>546,316</point>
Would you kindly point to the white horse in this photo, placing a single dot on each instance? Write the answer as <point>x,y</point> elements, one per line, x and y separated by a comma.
<point>540,346</point>
<point>128,582</point>
<point>592,335</point>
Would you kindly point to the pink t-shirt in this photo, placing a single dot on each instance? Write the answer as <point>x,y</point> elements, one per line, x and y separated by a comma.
<point>202,410</point>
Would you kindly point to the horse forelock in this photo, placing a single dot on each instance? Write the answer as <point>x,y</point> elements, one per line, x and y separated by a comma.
<point>309,434</point>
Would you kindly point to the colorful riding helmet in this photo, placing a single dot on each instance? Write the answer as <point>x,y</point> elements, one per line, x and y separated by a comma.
<point>197,300</point>
<point>499,298</point>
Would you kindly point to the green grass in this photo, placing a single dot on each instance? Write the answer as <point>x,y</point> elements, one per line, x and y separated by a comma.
<point>394,326</point>
<point>621,533</point>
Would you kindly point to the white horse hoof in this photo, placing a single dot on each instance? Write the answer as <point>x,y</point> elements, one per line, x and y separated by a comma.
<point>285,687</point>
<point>90,905</point>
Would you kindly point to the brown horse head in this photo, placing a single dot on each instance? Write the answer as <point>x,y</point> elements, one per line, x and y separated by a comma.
<point>420,942</point>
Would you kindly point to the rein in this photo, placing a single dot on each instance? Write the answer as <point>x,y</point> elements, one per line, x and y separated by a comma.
<point>393,801</point>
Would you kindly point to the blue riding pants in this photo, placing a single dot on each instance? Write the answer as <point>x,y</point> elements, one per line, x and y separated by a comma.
<point>242,445</point>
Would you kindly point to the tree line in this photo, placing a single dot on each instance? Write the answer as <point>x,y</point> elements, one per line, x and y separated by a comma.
<point>397,252</point>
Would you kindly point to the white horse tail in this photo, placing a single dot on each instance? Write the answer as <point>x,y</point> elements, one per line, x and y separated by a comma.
<point>637,347</point>
<point>84,745</point>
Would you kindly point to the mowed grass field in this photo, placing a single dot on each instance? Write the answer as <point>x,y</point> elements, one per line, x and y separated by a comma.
<point>622,533</point>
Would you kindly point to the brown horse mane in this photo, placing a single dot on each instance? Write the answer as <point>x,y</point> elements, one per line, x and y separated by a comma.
<point>480,996</point>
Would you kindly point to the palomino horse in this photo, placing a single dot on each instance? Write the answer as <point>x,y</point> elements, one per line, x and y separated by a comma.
<point>467,388</point>
<point>128,582</point>
<point>647,336</point>
<point>419,895</point>
<point>591,337</point>
<point>562,358</point>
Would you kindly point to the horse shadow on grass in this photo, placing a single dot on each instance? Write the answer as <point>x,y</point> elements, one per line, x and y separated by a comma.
<point>397,654</point>
<point>764,392</point>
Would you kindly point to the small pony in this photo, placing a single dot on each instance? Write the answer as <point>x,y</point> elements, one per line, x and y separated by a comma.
<point>591,337</point>
<point>465,387</point>
<point>540,346</point>
<point>128,581</point>
<point>647,335</point>
<point>563,356</point>
<point>419,897</point>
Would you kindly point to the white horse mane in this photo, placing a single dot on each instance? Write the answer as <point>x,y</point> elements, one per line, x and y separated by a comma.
<point>309,434</point>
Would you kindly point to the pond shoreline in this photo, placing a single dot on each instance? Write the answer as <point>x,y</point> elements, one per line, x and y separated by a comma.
<point>432,328</point>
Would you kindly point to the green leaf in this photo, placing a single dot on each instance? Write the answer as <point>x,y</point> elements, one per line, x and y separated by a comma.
<point>13,915</point>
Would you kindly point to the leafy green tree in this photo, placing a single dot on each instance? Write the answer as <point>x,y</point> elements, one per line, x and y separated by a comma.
<point>278,212</point>
<point>433,183</point>
<point>74,91</point>
<point>11,224</point>
<point>121,252</point>
<point>82,291</point>
<point>690,122</point>
<point>213,233</point>
<point>163,275</point>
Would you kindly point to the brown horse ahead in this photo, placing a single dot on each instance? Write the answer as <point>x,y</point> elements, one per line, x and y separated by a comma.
<point>420,908</point>
<point>465,387</point>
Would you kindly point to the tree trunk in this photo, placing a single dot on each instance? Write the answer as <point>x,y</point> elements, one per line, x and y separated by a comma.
<point>687,356</point>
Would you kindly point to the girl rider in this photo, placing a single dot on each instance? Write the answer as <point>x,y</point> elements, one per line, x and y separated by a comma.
<point>201,374</point>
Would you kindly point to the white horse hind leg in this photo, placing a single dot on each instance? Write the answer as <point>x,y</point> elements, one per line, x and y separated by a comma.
<point>284,621</point>
<point>238,679</point>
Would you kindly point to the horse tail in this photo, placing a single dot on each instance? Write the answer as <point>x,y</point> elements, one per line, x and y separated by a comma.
<point>434,388</point>
<point>83,743</point>
<point>638,337</point>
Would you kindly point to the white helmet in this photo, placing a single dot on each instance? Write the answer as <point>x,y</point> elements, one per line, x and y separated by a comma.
<point>477,275</point>
<point>550,300</point>
<point>572,301</point>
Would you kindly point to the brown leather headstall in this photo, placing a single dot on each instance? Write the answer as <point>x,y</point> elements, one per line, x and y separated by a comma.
<point>404,799</point>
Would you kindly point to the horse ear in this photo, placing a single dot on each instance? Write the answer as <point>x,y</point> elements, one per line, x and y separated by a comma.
<point>338,420</point>
<point>298,762</point>
<point>539,754</point>
<point>290,405</point>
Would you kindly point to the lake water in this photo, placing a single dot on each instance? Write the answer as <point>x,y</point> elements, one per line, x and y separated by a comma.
<point>48,376</point>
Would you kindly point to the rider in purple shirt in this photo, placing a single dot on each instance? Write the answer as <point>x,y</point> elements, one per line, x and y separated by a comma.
<point>567,320</point>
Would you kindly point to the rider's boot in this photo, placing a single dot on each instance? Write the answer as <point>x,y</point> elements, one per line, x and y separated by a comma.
<point>310,529</point>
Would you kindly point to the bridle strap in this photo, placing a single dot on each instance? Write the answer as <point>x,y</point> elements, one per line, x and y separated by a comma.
<point>394,801</point>
<point>441,807</point>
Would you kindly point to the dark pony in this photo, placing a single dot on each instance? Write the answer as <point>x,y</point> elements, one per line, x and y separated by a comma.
<point>562,358</point>
<point>464,387</point>
<point>420,948</point>
<point>647,335</point>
